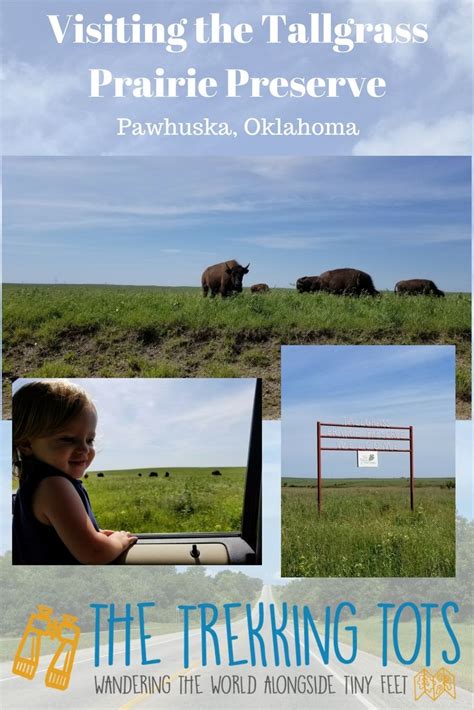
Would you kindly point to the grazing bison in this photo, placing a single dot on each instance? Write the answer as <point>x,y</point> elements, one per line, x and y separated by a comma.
<point>153,474</point>
<point>346,282</point>
<point>416,287</point>
<point>100,475</point>
<point>216,473</point>
<point>260,288</point>
<point>139,474</point>
<point>167,474</point>
<point>86,475</point>
<point>225,278</point>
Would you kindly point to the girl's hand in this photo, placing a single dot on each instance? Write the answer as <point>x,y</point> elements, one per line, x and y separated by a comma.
<point>124,538</point>
<point>107,532</point>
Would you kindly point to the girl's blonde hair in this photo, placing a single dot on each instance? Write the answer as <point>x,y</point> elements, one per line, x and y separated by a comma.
<point>42,408</point>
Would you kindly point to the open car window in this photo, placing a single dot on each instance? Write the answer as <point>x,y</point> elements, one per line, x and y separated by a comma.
<point>178,463</point>
<point>202,484</point>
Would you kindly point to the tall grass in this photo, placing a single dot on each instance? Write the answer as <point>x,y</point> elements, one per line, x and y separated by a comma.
<point>369,531</point>
<point>132,331</point>
<point>46,311</point>
<point>188,500</point>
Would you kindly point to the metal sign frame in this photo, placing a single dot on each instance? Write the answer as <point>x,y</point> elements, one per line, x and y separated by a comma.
<point>408,447</point>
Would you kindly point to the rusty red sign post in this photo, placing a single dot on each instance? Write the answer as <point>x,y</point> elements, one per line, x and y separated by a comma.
<point>407,447</point>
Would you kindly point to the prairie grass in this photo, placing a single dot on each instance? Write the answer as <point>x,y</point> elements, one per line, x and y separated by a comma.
<point>188,500</point>
<point>132,331</point>
<point>366,529</point>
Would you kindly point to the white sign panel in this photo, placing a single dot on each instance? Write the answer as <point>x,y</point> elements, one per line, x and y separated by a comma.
<point>367,459</point>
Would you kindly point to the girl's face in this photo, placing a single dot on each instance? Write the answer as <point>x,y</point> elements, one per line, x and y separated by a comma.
<point>70,450</point>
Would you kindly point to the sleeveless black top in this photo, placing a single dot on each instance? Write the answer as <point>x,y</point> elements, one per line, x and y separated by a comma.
<point>35,543</point>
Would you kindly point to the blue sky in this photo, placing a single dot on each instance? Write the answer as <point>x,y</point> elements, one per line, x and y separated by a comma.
<point>167,422</point>
<point>392,385</point>
<point>426,110</point>
<point>162,221</point>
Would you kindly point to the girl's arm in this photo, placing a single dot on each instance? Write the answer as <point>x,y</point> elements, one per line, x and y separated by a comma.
<point>58,504</point>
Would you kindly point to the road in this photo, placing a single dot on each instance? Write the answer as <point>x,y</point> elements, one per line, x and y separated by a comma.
<point>19,693</point>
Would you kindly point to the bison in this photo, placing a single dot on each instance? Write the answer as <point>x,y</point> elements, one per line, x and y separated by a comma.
<point>415,287</point>
<point>167,474</point>
<point>139,474</point>
<point>346,282</point>
<point>225,278</point>
<point>153,474</point>
<point>100,475</point>
<point>216,473</point>
<point>259,288</point>
<point>86,475</point>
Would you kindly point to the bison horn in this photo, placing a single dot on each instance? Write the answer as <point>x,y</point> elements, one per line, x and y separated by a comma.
<point>247,267</point>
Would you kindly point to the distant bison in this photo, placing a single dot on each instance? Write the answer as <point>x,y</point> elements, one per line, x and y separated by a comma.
<point>139,474</point>
<point>216,473</point>
<point>86,475</point>
<point>100,475</point>
<point>259,288</point>
<point>167,474</point>
<point>417,287</point>
<point>225,278</point>
<point>153,474</point>
<point>346,282</point>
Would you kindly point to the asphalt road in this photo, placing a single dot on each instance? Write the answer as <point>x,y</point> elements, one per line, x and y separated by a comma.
<point>17,692</point>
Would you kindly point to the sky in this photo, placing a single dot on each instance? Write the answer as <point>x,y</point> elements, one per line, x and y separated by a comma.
<point>170,422</point>
<point>163,221</point>
<point>426,109</point>
<point>390,385</point>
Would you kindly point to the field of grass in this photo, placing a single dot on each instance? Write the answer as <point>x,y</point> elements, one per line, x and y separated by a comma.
<point>188,500</point>
<point>366,529</point>
<point>132,331</point>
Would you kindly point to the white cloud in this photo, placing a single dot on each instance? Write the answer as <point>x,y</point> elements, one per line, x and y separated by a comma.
<point>38,111</point>
<point>450,135</point>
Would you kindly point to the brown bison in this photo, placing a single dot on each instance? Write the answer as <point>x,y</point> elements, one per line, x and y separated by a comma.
<point>259,288</point>
<point>416,287</point>
<point>348,282</point>
<point>225,278</point>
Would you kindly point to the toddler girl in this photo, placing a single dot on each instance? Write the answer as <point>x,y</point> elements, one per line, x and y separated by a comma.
<point>54,425</point>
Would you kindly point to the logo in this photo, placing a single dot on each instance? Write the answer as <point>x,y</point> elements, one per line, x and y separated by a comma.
<point>434,685</point>
<point>41,623</point>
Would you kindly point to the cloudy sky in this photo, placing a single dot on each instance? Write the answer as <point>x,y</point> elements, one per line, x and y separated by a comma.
<point>392,385</point>
<point>162,221</point>
<point>166,422</point>
<point>426,109</point>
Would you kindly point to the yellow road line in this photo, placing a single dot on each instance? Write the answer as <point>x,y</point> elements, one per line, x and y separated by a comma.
<point>143,696</point>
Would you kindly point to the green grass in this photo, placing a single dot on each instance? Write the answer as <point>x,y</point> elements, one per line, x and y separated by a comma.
<point>189,500</point>
<point>369,638</point>
<point>366,529</point>
<point>134,331</point>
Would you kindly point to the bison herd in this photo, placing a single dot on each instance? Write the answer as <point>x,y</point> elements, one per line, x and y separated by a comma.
<point>154,474</point>
<point>226,279</point>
